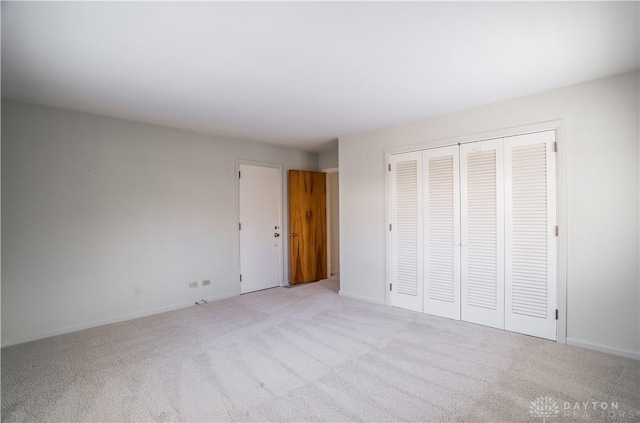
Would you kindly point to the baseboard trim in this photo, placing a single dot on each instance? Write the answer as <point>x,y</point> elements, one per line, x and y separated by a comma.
<point>94,324</point>
<point>361,297</point>
<point>603,348</point>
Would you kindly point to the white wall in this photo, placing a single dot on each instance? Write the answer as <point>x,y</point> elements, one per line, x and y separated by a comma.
<point>602,170</point>
<point>105,219</point>
<point>328,159</point>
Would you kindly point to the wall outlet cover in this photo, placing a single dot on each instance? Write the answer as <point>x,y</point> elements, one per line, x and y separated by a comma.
<point>206,282</point>
<point>193,284</point>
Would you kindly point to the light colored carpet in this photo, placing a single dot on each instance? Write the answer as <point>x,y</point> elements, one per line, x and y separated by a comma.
<point>306,354</point>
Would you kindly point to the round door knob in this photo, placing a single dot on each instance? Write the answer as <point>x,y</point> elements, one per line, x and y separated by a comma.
<point>294,234</point>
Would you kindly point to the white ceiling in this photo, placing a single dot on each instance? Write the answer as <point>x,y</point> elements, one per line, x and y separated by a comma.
<point>302,74</point>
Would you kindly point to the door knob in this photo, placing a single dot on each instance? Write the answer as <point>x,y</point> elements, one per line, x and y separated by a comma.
<point>294,234</point>
<point>276,235</point>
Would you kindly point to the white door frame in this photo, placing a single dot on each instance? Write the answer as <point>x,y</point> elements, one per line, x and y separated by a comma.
<point>280,217</point>
<point>559,126</point>
<point>329,170</point>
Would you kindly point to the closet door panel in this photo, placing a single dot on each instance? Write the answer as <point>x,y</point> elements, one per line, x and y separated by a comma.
<point>406,230</point>
<point>530,253</point>
<point>442,232</point>
<point>482,232</point>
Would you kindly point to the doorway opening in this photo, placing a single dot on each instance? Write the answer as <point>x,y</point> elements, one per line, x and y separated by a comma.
<point>333,223</point>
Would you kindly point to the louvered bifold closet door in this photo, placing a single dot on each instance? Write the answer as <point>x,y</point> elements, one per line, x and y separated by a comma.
<point>406,230</point>
<point>530,251</point>
<point>482,232</point>
<point>442,232</point>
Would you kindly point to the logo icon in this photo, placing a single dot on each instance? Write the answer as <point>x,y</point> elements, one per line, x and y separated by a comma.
<point>544,407</point>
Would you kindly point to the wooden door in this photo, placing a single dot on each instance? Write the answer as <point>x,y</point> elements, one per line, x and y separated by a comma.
<point>307,226</point>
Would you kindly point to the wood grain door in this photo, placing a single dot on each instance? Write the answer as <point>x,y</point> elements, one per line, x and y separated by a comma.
<point>307,226</point>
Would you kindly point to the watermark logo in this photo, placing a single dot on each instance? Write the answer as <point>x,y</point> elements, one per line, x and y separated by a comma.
<point>547,407</point>
<point>544,407</point>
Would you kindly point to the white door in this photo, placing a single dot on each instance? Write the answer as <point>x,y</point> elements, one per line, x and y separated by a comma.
<point>530,253</point>
<point>406,230</point>
<point>260,235</point>
<point>482,232</point>
<point>442,232</point>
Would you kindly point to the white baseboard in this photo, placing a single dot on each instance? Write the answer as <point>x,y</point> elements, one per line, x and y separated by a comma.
<point>361,297</point>
<point>94,324</point>
<point>602,348</point>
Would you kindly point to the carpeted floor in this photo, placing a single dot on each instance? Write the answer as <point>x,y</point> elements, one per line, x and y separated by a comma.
<point>307,354</point>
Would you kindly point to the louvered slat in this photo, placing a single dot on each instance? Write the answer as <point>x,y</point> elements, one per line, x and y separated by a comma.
<point>529,217</point>
<point>442,232</point>
<point>482,214</point>
<point>407,227</point>
<point>482,219</point>
<point>440,241</point>
<point>530,254</point>
<point>406,245</point>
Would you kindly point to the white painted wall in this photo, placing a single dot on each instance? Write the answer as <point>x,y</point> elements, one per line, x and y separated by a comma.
<point>106,219</point>
<point>328,159</point>
<point>602,169</point>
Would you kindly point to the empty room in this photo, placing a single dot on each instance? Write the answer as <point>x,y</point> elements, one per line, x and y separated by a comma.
<point>320,211</point>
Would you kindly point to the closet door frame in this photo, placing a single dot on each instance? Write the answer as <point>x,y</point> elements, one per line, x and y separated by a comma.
<point>559,126</point>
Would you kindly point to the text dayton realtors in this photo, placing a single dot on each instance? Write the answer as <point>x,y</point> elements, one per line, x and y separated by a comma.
<point>603,409</point>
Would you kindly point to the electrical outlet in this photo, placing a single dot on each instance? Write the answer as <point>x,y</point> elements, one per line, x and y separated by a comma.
<point>206,282</point>
<point>193,284</point>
